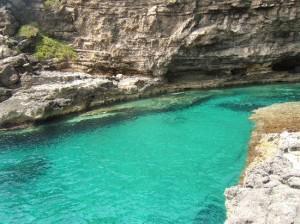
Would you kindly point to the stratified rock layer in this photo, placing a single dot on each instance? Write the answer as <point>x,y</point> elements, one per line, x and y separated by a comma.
<point>177,39</point>
<point>270,190</point>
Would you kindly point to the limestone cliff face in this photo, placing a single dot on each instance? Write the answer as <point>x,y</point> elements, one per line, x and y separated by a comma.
<point>146,46</point>
<point>201,39</point>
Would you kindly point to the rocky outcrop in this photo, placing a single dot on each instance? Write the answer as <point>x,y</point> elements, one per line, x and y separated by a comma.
<point>13,64</point>
<point>270,189</point>
<point>51,94</point>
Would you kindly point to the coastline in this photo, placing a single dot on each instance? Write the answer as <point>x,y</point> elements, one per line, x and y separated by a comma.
<point>265,147</point>
<point>51,95</point>
<point>269,189</point>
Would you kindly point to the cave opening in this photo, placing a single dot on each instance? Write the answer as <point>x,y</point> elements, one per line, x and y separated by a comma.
<point>290,64</point>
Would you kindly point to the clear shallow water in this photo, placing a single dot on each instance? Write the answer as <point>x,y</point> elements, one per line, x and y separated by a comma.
<point>161,160</point>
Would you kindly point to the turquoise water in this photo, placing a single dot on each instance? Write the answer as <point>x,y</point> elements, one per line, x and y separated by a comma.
<point>161,160</point>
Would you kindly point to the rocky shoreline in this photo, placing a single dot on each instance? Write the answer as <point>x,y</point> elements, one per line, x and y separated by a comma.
<point>269,191</point>
<point>45,95</point>
<point>128,50</point>
<point>49,94</point>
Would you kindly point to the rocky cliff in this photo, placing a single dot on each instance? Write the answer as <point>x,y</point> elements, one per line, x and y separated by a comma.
<point>174,38</point>
<point>192,43</point>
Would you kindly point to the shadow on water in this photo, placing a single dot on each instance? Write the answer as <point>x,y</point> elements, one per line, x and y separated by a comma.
<point>211,212</point>
<point>23,171</point>
<point>50,131</point>
<point>253,103</point>
<point>241,107</point>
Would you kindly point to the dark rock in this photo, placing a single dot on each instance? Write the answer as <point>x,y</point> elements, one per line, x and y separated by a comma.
<point>27,45</point>
<point>5,94</point>
<point>9,76</point>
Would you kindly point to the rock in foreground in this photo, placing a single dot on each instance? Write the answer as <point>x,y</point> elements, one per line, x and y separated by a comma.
<point>270,190</point>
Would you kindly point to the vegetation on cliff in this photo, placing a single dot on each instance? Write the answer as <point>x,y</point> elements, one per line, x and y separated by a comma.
<point>50,4</point>
<point>28,31</point>
<point>45,46</point>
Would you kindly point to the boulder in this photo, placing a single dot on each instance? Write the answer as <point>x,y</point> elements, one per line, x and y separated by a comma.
<point>9,77</point>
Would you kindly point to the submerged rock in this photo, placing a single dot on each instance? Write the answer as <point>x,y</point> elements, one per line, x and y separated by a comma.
<point>23,171</point>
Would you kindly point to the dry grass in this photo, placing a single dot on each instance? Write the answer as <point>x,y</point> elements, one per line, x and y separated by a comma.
<point>273,119</point>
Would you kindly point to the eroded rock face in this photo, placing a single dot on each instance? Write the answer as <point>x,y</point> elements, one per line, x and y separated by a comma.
<point>51,94</point>
<point>180,39</point>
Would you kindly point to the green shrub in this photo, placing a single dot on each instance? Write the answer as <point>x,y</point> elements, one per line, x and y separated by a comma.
<point>48,48</point>
<point>52,4</point>
<point>28,31</point>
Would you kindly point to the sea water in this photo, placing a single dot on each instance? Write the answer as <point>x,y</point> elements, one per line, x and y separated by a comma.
<point>161,160</point>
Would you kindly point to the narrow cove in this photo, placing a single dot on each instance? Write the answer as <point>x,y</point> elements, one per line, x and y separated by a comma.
<point>161,160</point>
